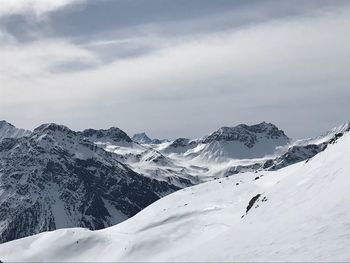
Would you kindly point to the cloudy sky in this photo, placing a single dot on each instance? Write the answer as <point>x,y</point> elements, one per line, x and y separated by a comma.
<point>175,67</point>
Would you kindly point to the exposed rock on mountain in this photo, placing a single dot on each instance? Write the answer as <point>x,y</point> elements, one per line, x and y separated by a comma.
<point>7,130</point>
<point>296,214</point>
<point>113,134</point>
<point>248,135</point>
<point>142,138</point>
<point>57,178</point>
<point>243,141</point>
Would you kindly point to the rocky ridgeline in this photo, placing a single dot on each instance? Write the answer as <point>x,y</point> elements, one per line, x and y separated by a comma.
<point>58,178</point>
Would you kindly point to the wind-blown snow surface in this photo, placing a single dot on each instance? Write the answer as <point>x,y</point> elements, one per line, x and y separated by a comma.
<point>298,213</point>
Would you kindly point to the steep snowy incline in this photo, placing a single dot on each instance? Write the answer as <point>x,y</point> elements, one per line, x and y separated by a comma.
<point>324,137</point>
<point>298,213</point>
<point>7,130</point>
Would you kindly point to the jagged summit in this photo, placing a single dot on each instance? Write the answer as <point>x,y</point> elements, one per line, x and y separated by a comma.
<point>248,134</point>
<point>180,142</point>
<point>106,135</point>
<point>52,127</point>
<point>238,142</point>
<point>57,178</point>
<point>243,141</point>
<point>112,134</point>
<point>141,138</point>
<point>7,130</point>
<point>4,123</point>
<point>180,145</point>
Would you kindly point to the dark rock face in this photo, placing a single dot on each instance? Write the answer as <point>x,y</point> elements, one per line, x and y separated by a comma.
<point>248,135</point>
<point>335,138</point>
<point>252,202</point>
<point>294,155</point>
<point>180,142</point>
<point>114,134</point>
<point>57,178</point>
<point>53,127</point>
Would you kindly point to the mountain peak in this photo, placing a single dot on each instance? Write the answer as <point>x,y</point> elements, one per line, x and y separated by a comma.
<point>246,133</point>
<point>112,133</point>
<point>7,130</point>
<point>141,138</point>
<point>4,123</point>
<point>53,127</point>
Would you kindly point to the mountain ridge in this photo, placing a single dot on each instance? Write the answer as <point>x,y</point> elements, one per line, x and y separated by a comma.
<point>256,215</point>
<point>44,159</point>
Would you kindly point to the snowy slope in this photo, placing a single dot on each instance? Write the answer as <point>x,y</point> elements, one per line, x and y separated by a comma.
<point>298,213</point>
<point>324,137</point>
<point>7,130</point>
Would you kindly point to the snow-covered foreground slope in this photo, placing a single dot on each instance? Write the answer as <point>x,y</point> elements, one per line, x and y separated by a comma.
<point>298,213</point>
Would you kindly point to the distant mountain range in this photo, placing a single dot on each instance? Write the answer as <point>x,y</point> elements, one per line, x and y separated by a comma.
<point>292,205</point>
<point>54,177</point>
<point>144,139</point>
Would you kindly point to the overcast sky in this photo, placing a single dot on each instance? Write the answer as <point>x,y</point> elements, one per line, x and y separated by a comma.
<point>175,68</point>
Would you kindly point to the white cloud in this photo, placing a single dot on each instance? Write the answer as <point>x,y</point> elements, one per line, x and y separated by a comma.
<point>288,71</point>
<point>37,7</point>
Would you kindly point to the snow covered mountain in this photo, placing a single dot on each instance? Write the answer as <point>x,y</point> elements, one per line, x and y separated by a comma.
<point>243,141</point>
<point>297,213</point>
<point>324,137</point>
<point>112,135</point>
<point>7,130</point>
<point>298,151</point>
<point>239,142</point>
<point>141,138</point>
<point>57,178</point>
<point>180,146</point>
